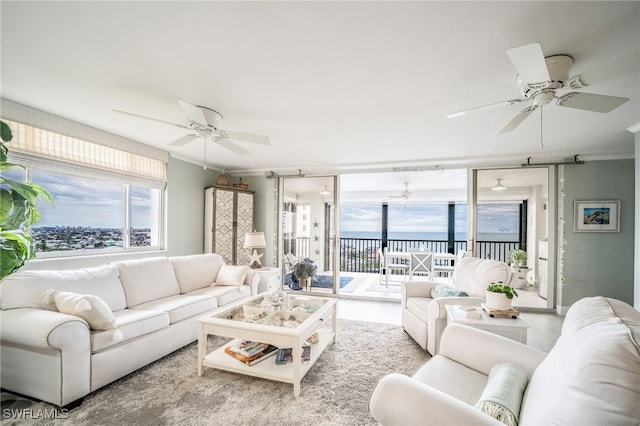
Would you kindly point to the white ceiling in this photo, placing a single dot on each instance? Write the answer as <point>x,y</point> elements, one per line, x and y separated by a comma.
<point>335,85</point>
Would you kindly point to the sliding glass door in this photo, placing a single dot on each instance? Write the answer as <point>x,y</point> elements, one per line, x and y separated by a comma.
<point>511,213</point>
<point>308,233</point>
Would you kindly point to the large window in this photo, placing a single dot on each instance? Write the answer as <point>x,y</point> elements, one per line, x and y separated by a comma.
<point>90,216</point>
<point>107,190</point>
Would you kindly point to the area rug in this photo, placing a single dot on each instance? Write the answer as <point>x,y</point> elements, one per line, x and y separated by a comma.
<point>320,281</point>
<point>335,391</point>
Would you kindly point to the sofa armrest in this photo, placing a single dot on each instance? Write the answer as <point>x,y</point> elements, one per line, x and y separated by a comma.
<point>401,400</point>
<point>438,310</point>
<point>480,350</point>
<point>40,328</point>
<point>417,289</point>
<point>252,280</point>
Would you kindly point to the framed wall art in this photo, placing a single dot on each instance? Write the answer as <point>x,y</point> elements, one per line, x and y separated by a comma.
<point>596,216</point>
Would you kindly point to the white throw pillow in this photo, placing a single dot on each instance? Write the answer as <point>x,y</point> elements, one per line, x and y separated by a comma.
<point>90,308</point>
<point>232,275</point>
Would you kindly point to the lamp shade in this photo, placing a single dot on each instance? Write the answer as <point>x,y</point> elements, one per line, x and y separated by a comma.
<point>254,240</point>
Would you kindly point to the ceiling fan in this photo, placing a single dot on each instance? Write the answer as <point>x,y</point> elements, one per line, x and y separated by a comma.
<point>406,194</point>
<point>540,78</point>
<point>203,123</point>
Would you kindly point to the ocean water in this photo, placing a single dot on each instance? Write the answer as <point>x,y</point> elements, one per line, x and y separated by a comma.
<point>430,236</point>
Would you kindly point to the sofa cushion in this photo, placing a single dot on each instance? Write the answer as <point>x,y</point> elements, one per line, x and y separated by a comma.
<point>224,294</point>
<point>196,271</point>
<point>181,306</point>
<point>232,275</point>
<point>24,289</point>
<point>90,308</point>
<point>131,324</point>
<point>592,374</point>
<point>472,275</point>
<point>149,279</point>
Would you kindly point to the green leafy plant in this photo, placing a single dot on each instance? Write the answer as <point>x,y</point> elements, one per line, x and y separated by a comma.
<point>499,287</point>
<point>304,268</point>
<point>518,257</point>
<point>18,211</point>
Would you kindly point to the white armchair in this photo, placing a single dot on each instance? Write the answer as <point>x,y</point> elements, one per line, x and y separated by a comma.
<point>424,317</point>
<point>590,377</point>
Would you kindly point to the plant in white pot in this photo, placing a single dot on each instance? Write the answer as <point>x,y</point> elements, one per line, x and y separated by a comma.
<point>499,296</point>
<point>518,258</point>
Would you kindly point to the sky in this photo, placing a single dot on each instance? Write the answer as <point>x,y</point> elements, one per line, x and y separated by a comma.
<point>87,202</point>
<point>492,218</point>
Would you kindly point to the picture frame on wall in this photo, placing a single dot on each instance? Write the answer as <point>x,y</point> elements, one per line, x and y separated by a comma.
<point>596,216</point>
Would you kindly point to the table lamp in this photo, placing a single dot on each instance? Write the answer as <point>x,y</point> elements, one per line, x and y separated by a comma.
<point>255,240</point>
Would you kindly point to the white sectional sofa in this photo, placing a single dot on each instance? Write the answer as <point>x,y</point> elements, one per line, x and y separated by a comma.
<point>590,377</point>
<point>130,314</point>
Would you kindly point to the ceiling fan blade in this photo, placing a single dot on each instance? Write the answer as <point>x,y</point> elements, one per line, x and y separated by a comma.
<point>194,113</point>
<point>515,121</point>
<point>484,107</point>
<point>231,146</point>
<point>529,61</point>
<point>591,102</point>
<point>149,118</point>
<point>245,137</point>
<point>183,140</point>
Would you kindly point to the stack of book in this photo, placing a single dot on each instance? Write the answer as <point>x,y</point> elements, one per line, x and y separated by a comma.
<point>250,353</point>
<point>285,355</point>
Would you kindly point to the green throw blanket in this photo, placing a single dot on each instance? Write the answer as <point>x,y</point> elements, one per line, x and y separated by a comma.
<point>502,396</point>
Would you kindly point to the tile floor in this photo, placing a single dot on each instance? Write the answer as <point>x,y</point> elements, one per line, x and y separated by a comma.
<point>544,331</point>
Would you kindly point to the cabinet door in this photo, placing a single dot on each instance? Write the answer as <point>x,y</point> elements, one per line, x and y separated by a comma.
<point>223,236</point>
<point>244,224</point>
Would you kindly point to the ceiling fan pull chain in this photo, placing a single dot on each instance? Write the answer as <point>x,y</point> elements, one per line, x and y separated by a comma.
<point>541,140</point>
<point>204,160</point>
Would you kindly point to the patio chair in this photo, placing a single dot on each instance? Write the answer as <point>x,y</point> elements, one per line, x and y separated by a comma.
<point>389,264</point>
<point>421,263</point>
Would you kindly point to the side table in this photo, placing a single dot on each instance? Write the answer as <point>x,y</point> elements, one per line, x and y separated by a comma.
<point>512,328</point>
<point>269,279</point>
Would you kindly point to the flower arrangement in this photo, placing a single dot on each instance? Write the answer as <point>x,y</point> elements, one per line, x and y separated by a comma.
<point>304,268</point>
<point>499,287</point>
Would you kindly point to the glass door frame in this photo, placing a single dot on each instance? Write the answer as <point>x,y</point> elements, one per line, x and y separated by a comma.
<point>552,223</point>
<point>331,240</point>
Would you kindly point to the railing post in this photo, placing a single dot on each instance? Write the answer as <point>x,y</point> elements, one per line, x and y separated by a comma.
<point>451,226</point>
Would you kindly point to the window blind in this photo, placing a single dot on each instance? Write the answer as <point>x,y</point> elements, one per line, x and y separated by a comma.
<point>53,143</point>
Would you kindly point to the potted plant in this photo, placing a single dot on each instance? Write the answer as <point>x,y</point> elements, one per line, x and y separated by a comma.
<point>303,270</point>
<point>499,296</point>
<point>18,211</point>
<point>518,258</point>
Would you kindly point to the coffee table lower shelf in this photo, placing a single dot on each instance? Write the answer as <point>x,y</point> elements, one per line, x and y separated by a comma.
<point>268,369</point>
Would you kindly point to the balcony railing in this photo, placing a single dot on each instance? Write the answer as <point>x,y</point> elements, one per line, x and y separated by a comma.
<point>361,254</point>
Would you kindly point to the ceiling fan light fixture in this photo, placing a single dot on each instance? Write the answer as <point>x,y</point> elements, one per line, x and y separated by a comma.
<point>325,191</point>
<point>499,186</point>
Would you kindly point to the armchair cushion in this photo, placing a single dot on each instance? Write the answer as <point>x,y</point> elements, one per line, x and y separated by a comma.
<point>446,291</point>
<point>473,275</point>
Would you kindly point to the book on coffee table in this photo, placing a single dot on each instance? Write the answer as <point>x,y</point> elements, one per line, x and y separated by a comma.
<point>268,352</point>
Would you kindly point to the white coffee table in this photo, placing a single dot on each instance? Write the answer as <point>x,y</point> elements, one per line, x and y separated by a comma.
<point>512,328</point>
<point>284,329</point>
